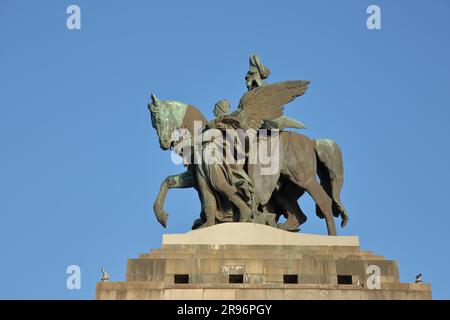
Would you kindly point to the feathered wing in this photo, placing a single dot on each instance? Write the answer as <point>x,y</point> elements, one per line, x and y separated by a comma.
<point>282,123</point>
<point>264,103</point>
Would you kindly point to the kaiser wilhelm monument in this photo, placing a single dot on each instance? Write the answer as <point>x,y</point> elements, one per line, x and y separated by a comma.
<point>249,167</point>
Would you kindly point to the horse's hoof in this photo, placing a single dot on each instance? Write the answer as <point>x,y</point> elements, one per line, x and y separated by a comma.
<point>344,222</point>
<point>302,219</point>
<point>197,224</point>
<point>162,218</point>
<point>287,227</point>
<point>205,225</point>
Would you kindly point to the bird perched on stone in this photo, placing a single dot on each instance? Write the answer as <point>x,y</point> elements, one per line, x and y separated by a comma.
<point>105,275</point>
<point>419,278</point>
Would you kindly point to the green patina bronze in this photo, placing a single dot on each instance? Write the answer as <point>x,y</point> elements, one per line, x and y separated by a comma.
<point>242,191</point>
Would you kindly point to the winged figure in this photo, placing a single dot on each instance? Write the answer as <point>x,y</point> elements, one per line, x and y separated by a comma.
<point>241,190</point>
<point>263,108</point>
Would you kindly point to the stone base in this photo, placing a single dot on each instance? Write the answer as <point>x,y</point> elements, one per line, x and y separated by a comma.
<point>253,261</point>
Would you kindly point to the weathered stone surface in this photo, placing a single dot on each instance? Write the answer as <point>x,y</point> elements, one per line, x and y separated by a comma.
<point>314,264</point>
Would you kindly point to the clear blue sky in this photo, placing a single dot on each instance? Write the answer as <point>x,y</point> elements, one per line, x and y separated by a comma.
<point>80,164</point>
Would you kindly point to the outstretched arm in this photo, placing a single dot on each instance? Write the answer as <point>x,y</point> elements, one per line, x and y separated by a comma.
<point>182,180</point>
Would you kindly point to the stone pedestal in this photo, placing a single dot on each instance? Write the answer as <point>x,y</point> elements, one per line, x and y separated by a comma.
<point>253,261</point>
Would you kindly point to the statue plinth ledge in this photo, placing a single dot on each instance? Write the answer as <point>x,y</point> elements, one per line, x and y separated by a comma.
<point>254,234</point>
<point>238,261</point>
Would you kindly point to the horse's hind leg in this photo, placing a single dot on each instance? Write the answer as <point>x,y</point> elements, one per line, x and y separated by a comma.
<point>295,215</point>
<point>324,202</point>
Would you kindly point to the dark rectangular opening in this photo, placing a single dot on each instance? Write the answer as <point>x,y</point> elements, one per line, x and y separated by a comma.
<point>290,278</point>
<point>236,278</point>
<point>181,278</point>
<point>344,279</point>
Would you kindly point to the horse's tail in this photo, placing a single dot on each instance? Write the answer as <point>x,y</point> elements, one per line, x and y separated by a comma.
<point>330,170</point>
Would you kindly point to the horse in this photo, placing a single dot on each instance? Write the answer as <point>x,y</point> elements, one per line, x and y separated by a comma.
<point>301,160</point>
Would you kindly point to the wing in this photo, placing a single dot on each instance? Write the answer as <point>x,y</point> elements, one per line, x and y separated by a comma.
<point>265,103</point>
<point>282,123</point>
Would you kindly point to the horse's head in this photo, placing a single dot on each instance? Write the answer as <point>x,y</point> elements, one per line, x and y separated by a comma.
<point>169,116</point>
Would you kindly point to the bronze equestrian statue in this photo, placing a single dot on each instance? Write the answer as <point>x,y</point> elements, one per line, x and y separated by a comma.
<point>243,190</point>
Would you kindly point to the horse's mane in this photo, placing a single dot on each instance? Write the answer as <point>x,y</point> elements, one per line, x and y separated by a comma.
<point>191,115</point>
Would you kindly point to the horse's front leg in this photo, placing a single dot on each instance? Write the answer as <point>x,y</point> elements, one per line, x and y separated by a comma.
<point>182,180</point>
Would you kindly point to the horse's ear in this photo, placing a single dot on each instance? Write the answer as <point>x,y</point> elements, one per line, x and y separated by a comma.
<point>155,100</point>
